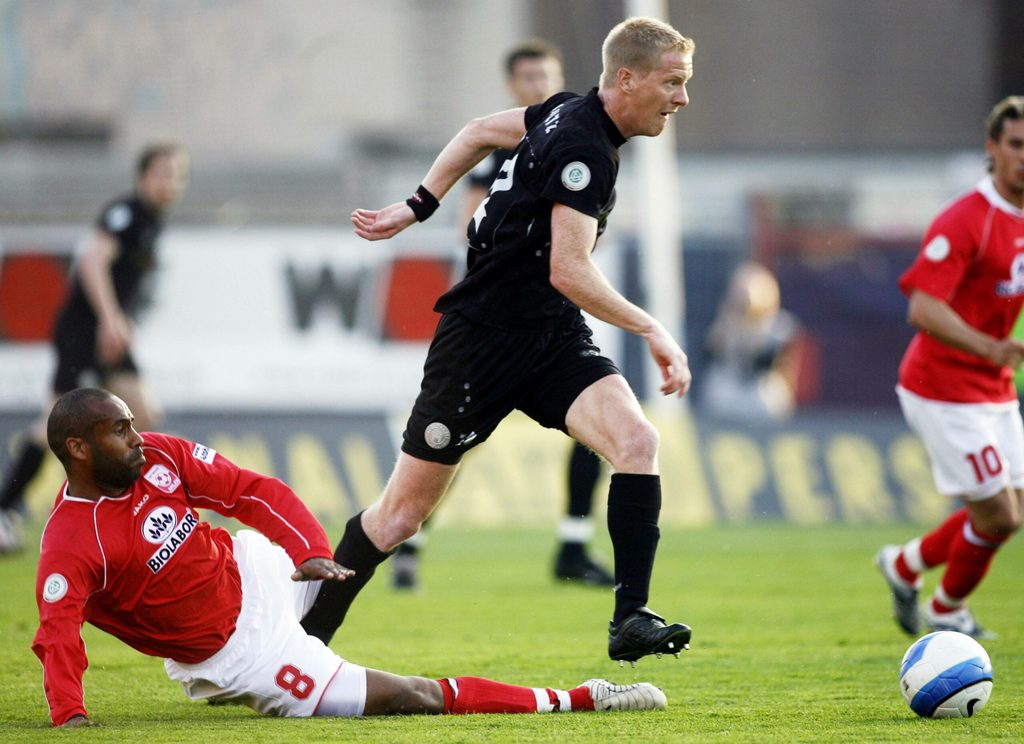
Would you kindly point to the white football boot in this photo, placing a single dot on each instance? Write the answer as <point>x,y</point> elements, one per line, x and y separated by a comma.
<point>637,696</point>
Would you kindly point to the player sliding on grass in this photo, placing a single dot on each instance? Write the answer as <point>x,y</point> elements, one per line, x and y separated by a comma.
<point>125,550</point>
<point>512,335</point>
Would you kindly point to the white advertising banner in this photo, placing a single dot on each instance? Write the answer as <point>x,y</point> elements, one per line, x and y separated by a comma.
<point>274,319</point>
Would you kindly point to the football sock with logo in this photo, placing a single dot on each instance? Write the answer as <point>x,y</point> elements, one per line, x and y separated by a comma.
<point>970,555</point>
<point>634,503</point>
<point>355,551</point>
<point>479,695</point>
<point>24,469</point>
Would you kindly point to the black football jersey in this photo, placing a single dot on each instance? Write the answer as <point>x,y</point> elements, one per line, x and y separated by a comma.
<point>486,171</point>
<point>568,156</point>
<point>135,226</point>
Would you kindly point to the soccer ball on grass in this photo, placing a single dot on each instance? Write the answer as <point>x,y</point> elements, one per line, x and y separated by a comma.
<point>946,675</point>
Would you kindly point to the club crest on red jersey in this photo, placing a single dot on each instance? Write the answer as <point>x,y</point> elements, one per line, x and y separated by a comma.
<point>937,249</point>
<point>55,587</point>
<point>162,478</point>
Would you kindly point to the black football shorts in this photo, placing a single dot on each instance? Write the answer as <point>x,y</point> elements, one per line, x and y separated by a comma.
<point>75,343</point>
<point>475,375</point>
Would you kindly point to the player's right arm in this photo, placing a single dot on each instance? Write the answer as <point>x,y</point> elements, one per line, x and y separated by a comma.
<point>64,582</point>
<point>114,334</point>
<point>938,319</point>
<point>473,143</point>
<point>949,248</point>
<point>575,275</point>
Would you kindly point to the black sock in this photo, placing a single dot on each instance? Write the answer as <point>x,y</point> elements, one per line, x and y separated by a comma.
<point>23,470</point>
<point>584,470</point>
<point>571,552</point>
<point>355,551</point>
<point>404,549</point>
<point>634,502</point>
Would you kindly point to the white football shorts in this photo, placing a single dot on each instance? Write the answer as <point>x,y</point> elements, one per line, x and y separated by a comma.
<point>976,449</point>
<point>270,663</point>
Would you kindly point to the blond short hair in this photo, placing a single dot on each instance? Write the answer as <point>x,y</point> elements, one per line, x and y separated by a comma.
<point>637,44</point>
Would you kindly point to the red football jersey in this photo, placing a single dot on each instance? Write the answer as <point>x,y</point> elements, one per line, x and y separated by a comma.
<point>973,259</point>
<point>144,568</point>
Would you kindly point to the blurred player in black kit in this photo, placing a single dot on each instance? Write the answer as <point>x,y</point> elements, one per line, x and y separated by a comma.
<point>93,330</point>
<point>512,335</point>
<point>533,73</point>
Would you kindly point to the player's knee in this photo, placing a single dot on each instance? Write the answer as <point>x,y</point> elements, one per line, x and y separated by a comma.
<point>1000,522</point>
<point>1005,523</point>
<point>638,449</point>
<point>397,523</point>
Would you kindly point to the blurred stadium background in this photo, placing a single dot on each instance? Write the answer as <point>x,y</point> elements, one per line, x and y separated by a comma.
<point>822,137</point>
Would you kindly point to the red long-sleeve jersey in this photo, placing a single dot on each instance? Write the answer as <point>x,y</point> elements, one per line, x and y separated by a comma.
<point>145,569</point>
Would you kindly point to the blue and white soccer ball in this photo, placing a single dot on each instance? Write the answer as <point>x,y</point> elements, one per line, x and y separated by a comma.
<point>946,675</point>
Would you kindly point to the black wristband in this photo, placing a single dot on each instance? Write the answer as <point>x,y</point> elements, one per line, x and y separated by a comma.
<point>423,204</point>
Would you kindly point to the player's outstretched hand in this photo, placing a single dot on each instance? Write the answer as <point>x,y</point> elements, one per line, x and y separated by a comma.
<point>321,568</point>
<point>671,360</point>
<point>379,224</point>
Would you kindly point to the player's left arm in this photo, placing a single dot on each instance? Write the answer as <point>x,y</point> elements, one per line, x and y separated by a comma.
<point>478,139</point>
<point>266,503</point>
<point>576,276</point>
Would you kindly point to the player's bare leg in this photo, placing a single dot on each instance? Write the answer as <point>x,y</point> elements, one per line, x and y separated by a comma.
<point>607,417</point>
<point>388,694</point>
<point>414,489</point>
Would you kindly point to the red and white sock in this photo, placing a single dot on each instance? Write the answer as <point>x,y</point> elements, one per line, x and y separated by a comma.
<point>930,550</point>
<point>935,546</point>
<point>480,695</point>
<point>970,555</point>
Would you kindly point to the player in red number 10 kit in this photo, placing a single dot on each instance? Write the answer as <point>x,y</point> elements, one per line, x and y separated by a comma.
<point>956,382</point>
<point>125,550</point>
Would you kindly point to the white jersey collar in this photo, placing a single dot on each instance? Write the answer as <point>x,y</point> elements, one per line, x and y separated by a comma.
<point>68,497</point>
<point>988,190</point>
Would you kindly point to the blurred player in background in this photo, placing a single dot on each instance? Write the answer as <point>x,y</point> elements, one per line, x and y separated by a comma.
<point>956,382</point>
<point>512,335</point>
<point>533,73</point>
<point>93,331</point>
<point>125,550</point>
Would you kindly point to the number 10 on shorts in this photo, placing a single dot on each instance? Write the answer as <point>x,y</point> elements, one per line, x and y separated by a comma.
<point>986,463</point>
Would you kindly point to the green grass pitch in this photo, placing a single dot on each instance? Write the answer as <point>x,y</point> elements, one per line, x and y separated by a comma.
<point>792,643</point>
